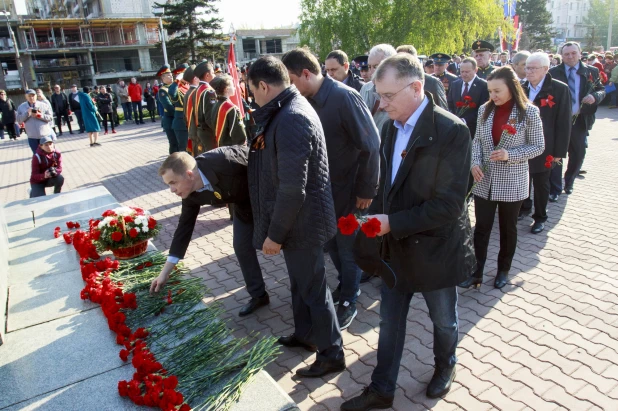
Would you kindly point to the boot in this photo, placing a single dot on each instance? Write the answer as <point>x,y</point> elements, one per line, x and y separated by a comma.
<point>475,280</point>
<point>441,382</point>
<point>501,279</point>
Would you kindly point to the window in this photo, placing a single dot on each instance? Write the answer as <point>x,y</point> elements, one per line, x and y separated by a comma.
<point>273,46</point>
<point>569,19</point>
<point>248,46</point>
<point>569,33</point>
<point>577,6</point>
<point>558,20</point>
<point>571,6</point>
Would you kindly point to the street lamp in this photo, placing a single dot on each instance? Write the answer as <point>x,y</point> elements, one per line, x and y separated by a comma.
<point>158,12</point>
<point>20,69</point>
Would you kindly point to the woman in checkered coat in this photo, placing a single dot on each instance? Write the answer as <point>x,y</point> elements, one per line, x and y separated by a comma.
<point>509,133</point>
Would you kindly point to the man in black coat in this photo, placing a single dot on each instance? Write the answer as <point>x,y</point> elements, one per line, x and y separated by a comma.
<point>216,177</point>
<point>587,92</point>
<point>468,85</point>
<point>426,156</point>
<point>293,208</point>
<point>553,99</point>
<point>60,107</point>
<point>338,67</point>
<point>352,143</point>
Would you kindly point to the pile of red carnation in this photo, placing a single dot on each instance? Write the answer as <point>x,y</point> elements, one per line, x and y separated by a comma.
<point>369,226</point>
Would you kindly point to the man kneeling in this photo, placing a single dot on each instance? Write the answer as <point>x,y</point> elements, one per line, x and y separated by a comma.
<point>46,169</point>
<point>216,177</point>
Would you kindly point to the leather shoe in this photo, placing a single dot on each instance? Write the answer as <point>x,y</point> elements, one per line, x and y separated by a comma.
<point>292,341</point>
<point>369,399</point>
<point>537,227</point>
<point>254,304</point>
<point>501,279</point>
<point>553,198</point>
<point>441,382</point>
<point>568,190</point>
<point>320,368</point>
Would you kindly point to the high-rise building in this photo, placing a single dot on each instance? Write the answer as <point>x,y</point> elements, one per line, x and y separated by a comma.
<point>568,19</point>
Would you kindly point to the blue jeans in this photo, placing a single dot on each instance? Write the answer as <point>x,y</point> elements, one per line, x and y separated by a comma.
<point>340,249</point>
<point>126,110</point>
<point>442,306</point>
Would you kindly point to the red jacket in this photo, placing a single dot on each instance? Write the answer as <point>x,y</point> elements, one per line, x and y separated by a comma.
<point>41,161</point>
<point>135,92</point>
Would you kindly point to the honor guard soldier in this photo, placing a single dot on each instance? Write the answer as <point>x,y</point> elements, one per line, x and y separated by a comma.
<point>193,82</point>
<point>363,67</point>
<point>203,100</point>
<point>482,53</point>
<point>168,107</point>
<point>225,117</point>
<point>440,61</point>
<point>176,92</point>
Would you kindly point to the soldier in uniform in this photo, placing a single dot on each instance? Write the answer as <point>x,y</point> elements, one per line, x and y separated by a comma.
<point>440,61</point>
<point>168,107</point>
<point>176,92</point>
<point>363,66</point>
<point>225,117</point>
<point>189,77</point>
<point>204,99</point>
<point>482,53</point>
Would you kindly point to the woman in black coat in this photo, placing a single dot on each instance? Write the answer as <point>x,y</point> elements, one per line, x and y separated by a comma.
<point>104,104</point>
<point>151,103</point>
<point>7,108</point>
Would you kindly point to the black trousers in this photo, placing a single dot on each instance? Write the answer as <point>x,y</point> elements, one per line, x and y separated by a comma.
<point>485,211</point>
<point>108,117</point>
<point>59,117</point>
<point>540,181</point>
<point>247,257</point>
<point>38,190</point>
<point>315,320</point>
<point>577,153</point>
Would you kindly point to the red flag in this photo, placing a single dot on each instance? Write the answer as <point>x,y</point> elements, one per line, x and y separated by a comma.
<point>231,64</point>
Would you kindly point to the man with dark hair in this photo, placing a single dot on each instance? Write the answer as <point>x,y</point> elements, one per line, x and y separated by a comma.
<point>293,208</point>
<point>338,67</point>
<point>352,142</point>
<point>432,84</point>
<point>472,86</point>
<point>60,106</point>
<point>203,100</point>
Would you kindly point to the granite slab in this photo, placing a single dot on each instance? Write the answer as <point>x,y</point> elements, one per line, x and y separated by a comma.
<point>265,391</point>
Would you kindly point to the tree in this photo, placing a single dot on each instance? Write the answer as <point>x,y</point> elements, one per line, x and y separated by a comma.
<point>430,25</point>
<point>536,23</point>
<point>193,28</point>
<point>598,16</point>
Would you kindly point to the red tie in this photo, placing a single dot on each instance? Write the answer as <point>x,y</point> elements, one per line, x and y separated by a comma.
<point>465,92</point>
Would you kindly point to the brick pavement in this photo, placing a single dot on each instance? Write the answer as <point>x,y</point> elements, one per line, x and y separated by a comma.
<point>546,341</point>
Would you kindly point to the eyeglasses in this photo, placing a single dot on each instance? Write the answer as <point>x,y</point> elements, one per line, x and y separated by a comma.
<point>388,97</point>
<point>533,68</point>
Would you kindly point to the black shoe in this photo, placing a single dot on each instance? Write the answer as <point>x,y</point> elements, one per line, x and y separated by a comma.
<point>568,190</point>
<point>475,280</point>
<point>345,314</point>
<point>441,382</point>
<point>554,198</point>
<point>59,134</point>
<point>97,144</point>
<point>523,214</point>
<point>501,279</point>
<point>320,368</point>
<point>92,145</point>
<point>254,304</point>
<point>369,399</point>
<point>70,132</point>
<point>292,341</point>
<point>141,122</point>
<point>582,172</point>
<point>336,294</point>
<point>366,277</point>
<point>537,227</point>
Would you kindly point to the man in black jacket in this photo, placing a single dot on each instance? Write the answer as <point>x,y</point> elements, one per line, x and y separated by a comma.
<point>426,156</point>
<point>60,107</point>
<point>76,108</point>
<point>553,99</point>
<point>216,177</point>
<point>352,143</point>
<point>468,85</point>
<point>338,67</point>
<point>293,208</point>
<point>587,92</point>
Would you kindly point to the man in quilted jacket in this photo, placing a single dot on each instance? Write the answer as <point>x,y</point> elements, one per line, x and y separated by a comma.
<point>293,208</point>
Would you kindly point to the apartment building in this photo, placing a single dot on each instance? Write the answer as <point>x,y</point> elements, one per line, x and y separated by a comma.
<point>252,44</point>
<point>568,19</point>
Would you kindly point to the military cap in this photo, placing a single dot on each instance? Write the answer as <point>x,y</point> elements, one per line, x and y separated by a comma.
<point>188,75</point>
<point>429,63</point>
<point>180,69</point>
<point>164,69</point>
<point>440,58</point>
<point>202,69</point>
<point>362,62</point>
<point>585,54</point>
<point>481,45</point>
<point>218,70</point>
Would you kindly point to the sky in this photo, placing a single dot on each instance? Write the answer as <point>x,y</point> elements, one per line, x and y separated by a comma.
<point>258,14</point>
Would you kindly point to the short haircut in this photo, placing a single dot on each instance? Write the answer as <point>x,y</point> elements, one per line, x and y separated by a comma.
<point>300,59</point>
<point>407,48</point>
<point>270,70</point>
<point>471,61</point>
<point>86,89</point>
<point>386,49</point>
<point>179,162</point>
<point>56,85</point>
<point>540,57</point>
<point>338,55</point>
<point>405,66</point>
<point>519,57</point>
<point>504,53</point>
<point>569,44</point>
<point>219,84</point>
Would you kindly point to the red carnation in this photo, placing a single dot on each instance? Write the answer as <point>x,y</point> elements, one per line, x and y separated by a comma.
<point>124,355</point>
<point>170,382</point>
<point>76,225</point>
<point>152,223</point>
<point>109,213</point>
<point>117,236</point>
<point>70,225</point>
<point>548,164</point>
<point>460,104</point>
<point>472,104</point>
<point>509,129</point>
<point>128,219</point>
<point>549,158</point>
<point>123,388</point>
<point>185,407</point>
<point>467,98</point>
<point>96,234</point>
<point>148,264</point>
<point>347,225</point>
<point>133,233</point>
<point>113,223</point>
<point>372,227</point>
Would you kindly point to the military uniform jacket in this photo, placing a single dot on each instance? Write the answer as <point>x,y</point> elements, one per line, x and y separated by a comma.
<point>446,78</point>
<point>168,108</point>
<point>204,100</point>
<point>484,72</point>
<point>177,97</point>
<point>189,113</point>
<point>227,123</point>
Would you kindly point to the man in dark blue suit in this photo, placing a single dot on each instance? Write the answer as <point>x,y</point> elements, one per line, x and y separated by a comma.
<point>468,85</point>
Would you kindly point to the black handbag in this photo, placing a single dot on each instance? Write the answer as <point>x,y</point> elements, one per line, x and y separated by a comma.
<point>368,256</point>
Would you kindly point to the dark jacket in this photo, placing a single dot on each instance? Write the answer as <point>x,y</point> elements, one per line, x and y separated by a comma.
<point>104,103</point>
<point>352,142</point>
<point>556,127</point>
<point>73,104</point>
<point>41,162</point>
<point>8,108</point>
<point>354,81</point>
<point>60,103</point>
<point>436,88</point>
<point>288,175</point>
<point>429,246</point>
<point>478,91</point>
<point>589,83</point>
<point>149,96</point>
<point>225,168</point>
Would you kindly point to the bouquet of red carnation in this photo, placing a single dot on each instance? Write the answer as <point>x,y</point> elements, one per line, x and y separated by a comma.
<point>123,227</point>
<point>550,160</point>
<point>463,106</point>
<point>349,224</point>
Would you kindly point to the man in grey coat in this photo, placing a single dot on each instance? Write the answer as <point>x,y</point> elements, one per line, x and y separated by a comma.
<point>37,117</point>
